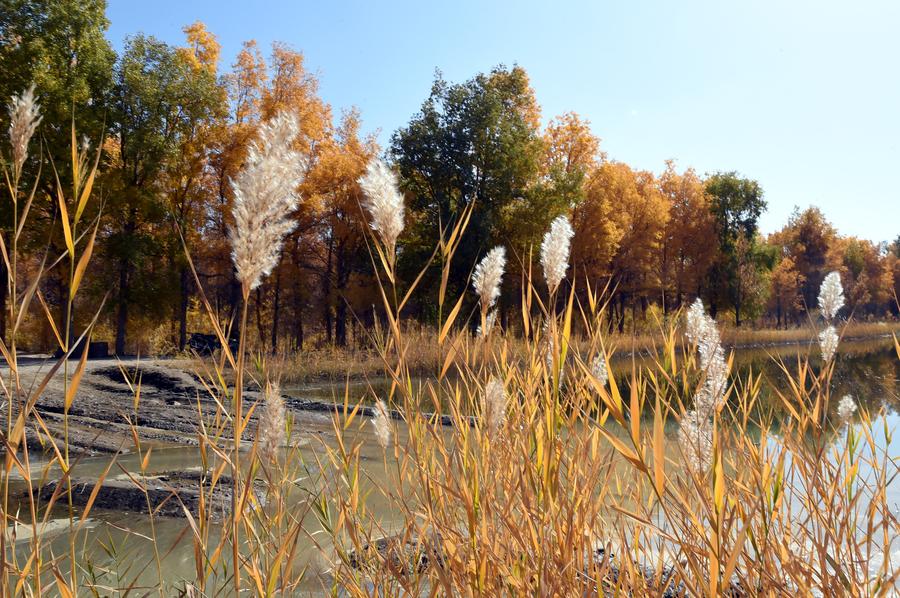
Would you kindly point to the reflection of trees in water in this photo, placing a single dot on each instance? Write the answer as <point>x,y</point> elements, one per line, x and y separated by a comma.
<point>869,376</point>
<point>868,370</point>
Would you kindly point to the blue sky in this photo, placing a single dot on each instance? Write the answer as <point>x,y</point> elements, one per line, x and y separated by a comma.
<point>803,96</point>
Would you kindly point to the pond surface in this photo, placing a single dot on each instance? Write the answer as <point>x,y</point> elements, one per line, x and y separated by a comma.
<point>117,545</point>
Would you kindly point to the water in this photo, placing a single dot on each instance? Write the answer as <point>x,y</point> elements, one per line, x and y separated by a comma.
<point>117,550</point>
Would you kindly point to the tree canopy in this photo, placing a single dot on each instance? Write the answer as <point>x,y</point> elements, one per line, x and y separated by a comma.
<point>173,127</point>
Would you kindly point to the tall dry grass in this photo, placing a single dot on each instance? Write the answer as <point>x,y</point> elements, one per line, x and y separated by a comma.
<point>583,489</point>
<point>545,476</point>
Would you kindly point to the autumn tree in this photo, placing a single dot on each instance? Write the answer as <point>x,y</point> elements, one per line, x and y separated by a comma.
<point>786,298</point>
<point>618,232</point>
<point>342,161</point>
<point>570,147</point>
<point>608,187</point>
<point>291,87</point>
<point>866,274</point>
<point>806,239</point>
<point>686,252</point>
<point>642,222</point>
<point>188,182</point>
<point>230,138</point>
<point>257,90</point>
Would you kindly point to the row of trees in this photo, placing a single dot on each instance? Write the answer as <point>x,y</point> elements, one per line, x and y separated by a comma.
<point>172,129</point>
<point>656,239</point>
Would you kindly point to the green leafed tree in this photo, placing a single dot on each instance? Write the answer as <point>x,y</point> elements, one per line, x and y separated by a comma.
<point>59,46</point>
<point>159,100</point>
<point>736,204</point>
<point>477,141</point>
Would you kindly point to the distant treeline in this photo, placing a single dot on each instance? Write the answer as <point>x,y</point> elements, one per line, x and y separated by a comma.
<point>172,128</point>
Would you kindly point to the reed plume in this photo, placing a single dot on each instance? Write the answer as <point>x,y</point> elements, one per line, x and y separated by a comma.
<point>382,424</point>
<point>846,408</point>
<point>555,251</point>
<point>265,194</point>
<point>490,320</point>
<point>24,118</point>
<point>599,369</point>
<point>703,332</point>
<point>271,432</point>
<point>384,203</point>
<point>695,434</point>
<point>831,300</point>
<point>828,343</point>
<point>695,431</point>
<point>494,407</point>
<point>831,296</point>
<point>488,276</point>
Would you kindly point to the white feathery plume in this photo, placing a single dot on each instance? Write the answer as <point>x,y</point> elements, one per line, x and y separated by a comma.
<point>383,202</point>
<point>555,251</point>
<point>24,118</point>
<point>494,404</point>
<point>271,424</point>
<point>265,194</point>
<point>599,369</point>
<point>696,427</point>
<point>382,424</point>
<point>831,296</point>
<point>828,343</point>
<point>488,276</point>
<point>831,300</point>
<point>846,408</point>
<point>696,320</point>
<point>703,332</point>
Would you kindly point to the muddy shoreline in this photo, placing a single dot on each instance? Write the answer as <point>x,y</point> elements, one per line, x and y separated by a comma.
<point>103,413</point>
<point>102,417</point>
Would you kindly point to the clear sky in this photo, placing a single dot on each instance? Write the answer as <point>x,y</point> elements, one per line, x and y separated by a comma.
<point>802,95</point>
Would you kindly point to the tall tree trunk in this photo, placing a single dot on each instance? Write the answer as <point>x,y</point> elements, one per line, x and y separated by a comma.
<point>343,278</point>
<point>122,312</point>
<point>622,314</point>
<point>326,293</point>
<point>259,323</point>
<point>340,323</point>
<point>124,286</point>
<point>298,331</point>
<point>183,307</point>
<point>634,316</point>
<point>276,309</point>
<point>234,299</point>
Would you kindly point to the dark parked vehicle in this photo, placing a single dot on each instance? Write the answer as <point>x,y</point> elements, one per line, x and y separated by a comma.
<point>95,349</point>
<point>207,344</point>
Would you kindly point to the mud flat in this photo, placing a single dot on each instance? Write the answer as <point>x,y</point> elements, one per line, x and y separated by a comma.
<point>171,494</point>
<point>103,413</point>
